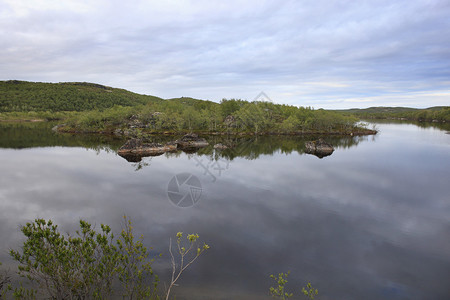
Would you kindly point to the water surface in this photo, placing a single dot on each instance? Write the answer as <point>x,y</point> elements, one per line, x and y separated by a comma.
<point>371,221</point>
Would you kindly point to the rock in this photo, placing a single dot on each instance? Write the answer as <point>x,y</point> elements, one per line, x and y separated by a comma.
<point>135,122</point>
<point>134,158</point>
<point>319,148</point>
<point>138,147</point>
<point>220,146</point>
<point>57,127</point>
<point>118,132</point>
<point>191,141</point>
<point>230,120</point>
<point>171,146</point>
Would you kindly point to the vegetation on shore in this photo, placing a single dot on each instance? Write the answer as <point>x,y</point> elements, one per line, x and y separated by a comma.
<point>93,108</point>
<point>97,264</point>
<point>23,96</point>
<point>92,264</point>
<point>280,292</point>
<point>432,114</point>
<point>229,117</point>
<point>26,135</point>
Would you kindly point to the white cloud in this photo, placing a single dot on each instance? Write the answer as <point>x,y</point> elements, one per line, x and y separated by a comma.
<point>301,52</point>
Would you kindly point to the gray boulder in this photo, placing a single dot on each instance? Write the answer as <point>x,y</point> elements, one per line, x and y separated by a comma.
<point>138,147</point>
<point>191,141</point>
<point>319,148</point>
<point>220,146</point>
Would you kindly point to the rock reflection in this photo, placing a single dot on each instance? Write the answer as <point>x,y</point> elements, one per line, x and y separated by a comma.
<point>251,148</point>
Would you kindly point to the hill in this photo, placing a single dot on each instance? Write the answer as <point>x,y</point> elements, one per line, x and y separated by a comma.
<point>379,109</point>
<point>23,96</point>
<point>431,114</point>
<point>89,108</point>
<point>387,109</point>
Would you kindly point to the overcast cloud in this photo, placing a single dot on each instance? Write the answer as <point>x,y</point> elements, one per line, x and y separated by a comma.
<point>330,54</point>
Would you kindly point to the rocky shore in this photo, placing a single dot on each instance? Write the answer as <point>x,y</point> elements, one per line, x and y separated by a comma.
<point>319,148</point>
<point>138,147</point>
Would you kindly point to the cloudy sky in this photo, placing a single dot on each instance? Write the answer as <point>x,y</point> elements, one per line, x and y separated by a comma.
<point>321,53</point>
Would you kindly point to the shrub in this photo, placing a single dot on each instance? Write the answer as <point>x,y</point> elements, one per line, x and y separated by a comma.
<point>84,266</point>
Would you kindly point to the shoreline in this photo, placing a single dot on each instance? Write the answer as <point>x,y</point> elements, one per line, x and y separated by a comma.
<point>24,120</point>
<point>359,132</point>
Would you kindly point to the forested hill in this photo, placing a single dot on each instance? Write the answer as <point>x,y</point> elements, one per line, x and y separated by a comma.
<point>23,96</point>
<point>88,107</point>
<point>436,113</point>
<point>386,109</point>
<point>378,109</point>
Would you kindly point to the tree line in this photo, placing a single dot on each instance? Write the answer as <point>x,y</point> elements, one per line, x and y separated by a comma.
<point>22,96</point>
<point>88,107</point>
<point>432,114</point>
<point>229,116</point>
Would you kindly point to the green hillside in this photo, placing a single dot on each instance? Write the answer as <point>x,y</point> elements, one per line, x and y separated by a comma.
<point>93,108</point>
<point>431,114</point>
<point>379,109</point>
<point>22,96</point>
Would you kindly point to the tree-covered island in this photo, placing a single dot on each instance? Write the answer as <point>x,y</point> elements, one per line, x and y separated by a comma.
<point>93,108</point>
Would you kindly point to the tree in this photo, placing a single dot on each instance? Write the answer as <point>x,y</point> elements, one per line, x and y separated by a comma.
<point>188,254</point>
<point>5,279</point>
<point>229,107</point>
<point>191,118</point>
<point>84,266</point>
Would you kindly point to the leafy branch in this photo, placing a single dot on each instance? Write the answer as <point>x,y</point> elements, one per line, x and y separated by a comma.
<point>187,256</point>
<point>279,291</point>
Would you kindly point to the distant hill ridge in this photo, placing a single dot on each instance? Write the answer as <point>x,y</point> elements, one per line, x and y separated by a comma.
<point>431,114</point>
<point>23,96</point>
<point>387,109</point>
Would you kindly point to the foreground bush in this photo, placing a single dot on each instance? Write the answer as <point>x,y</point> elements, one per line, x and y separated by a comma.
<point>89,264</point>
<point>279,291</point>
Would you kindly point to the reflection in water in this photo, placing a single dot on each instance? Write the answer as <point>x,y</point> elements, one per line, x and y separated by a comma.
<point>28,135</point>
<point>22,135</point>
<point>253,147</point>
<point>369,222</point>
<point>437,125</point>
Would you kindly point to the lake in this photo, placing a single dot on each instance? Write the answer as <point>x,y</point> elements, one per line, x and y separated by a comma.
<point>371,221</point>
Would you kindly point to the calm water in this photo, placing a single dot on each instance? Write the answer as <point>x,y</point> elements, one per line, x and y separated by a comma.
<point>371,221</point>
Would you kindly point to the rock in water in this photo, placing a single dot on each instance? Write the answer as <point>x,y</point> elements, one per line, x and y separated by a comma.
<point>191,141</point>
<point>319,148</point>
<point>138,147</point>
<point>130,145</point>
<point>220,146</point>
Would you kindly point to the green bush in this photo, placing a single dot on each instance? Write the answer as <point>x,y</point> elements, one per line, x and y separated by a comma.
<point>92,264</point>
<point>279,291</point>
<point>86,265</point>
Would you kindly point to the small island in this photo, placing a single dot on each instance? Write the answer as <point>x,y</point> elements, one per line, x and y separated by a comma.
<point>90,108</point>
<point>138,147</point>
<point>319,148</point>
<point>82,107</point>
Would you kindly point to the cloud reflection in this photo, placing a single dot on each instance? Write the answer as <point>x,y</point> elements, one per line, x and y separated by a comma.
<point>366,223</point>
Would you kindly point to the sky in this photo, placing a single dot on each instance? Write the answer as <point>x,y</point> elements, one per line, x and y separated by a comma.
<point>321,53</point>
